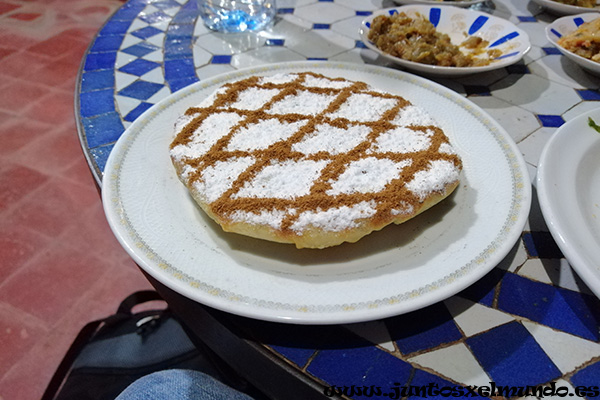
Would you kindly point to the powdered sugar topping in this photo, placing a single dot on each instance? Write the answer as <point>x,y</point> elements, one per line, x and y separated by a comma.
<point>262,134</point>
<point>335,219</point>
<point>413,116</point>
<point>218,178</point>
<point>367,175</point>
<point>284,180</point>
<point>433,179</point>
<point>270,218</point>
<point>307,102</point>
<point>254,98</point>
<point>402,140</point>
<point>303,151</point>
<point>212,129</point>
<point>332,140</point>
<point>364,107</point>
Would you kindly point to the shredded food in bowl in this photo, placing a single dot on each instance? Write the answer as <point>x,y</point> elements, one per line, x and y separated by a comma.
<point>417,40</point>
<point>584,41</point>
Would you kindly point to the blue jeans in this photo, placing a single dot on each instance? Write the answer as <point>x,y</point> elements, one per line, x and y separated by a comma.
<point>178,384</point>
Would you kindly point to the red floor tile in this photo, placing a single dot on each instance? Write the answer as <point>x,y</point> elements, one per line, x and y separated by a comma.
<point>18,333</point>
<point>56,73</point>
<point>74,57</point>
<point>19,95</point>
<point>55,107</point>
<point>82,33</point>
<point>7,7</point>
<point>57,45</point>
<point>17,132</point>
<point>55,151</point>
<point>18,245</point>
<point>104,298</point>
<point>98,10</point>
<point>52,283</point>
<point>16,182</point>
<point>74,60</point>
<point>60,265</point>
<point>16,40</point>
<point>98,238</point>
<point>5,52</point>
<point>54,206</point>
<point>22,64</point>
<point>80,172</point>
<point>25,16</point>
<point>28,379</point>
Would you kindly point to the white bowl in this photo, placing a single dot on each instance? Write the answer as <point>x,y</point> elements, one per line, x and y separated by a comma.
<point>456,3</point>
<point>457,22</point>
<point>565,25</point>
<point>564,9</point>
<point>568,189</point>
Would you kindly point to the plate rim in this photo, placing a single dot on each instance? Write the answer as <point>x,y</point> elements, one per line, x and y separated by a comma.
<point>565,9</point>
<point>583,62</point>
<point>436,69</point>
<point>556,224</point>
<point>495,252</point>
<point>458,3</point>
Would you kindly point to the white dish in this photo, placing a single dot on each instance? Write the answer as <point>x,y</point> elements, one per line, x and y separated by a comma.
<point>456,23</point>
<point>568,185</point>
<point>565,25</point>
<point>396,270</point>
<point>564,9</point>
<point>456,3</point>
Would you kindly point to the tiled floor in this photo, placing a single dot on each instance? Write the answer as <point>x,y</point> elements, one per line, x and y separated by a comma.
<point>60,264</point>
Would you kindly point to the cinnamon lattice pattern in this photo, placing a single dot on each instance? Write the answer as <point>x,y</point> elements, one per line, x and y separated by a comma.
<point>298,150</point>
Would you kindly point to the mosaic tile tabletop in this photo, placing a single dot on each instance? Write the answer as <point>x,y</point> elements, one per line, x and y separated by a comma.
<point>531,321</point>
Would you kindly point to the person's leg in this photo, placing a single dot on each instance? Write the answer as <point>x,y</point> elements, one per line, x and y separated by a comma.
<point>180,385</point>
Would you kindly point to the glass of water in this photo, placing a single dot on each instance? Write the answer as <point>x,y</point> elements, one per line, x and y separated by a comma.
<point>236,15</point>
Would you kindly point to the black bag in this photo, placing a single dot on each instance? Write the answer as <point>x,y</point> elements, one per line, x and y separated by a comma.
<point>109,354</point>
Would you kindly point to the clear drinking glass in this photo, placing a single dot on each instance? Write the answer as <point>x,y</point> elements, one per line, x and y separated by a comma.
<point>236,15</point>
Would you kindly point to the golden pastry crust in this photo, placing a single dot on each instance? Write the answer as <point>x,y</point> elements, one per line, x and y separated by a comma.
<point>319,238</point>
<point>310,160</point>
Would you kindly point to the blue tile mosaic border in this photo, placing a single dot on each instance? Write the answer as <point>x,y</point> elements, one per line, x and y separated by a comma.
<point>551,121</point>
<point>561,309</point>
<point>100,122</point>
<point>512,357</point>
<point>419,331</point>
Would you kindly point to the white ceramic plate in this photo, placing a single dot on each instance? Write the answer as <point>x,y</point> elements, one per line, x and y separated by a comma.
<point>457,23</point>
<point>456,3</point>
<point>393,271</point>
<point>564,9</point>
<point>568,185</point>
<point>565,25</point>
